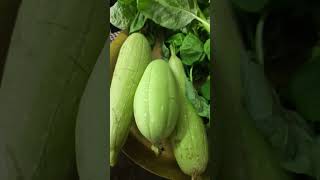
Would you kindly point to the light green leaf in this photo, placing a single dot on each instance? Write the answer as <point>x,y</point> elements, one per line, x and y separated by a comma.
<point>172,14</point>
<point>121,15</point>
<point>176,40</point>
<point>138,22</point>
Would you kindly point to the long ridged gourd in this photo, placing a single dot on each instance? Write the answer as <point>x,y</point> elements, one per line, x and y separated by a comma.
<point>156,102</point>
<point>189,140</point>
<point>134,57</point>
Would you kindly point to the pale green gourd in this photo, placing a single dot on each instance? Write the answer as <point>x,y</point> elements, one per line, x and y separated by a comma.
<point>134,57</point>
<point>189,140</point>
<point>156,102</point>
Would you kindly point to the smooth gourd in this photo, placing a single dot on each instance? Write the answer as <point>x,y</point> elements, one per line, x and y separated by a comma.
<point>156,102</point>
<point>134,57</point>
<point>189,140</point>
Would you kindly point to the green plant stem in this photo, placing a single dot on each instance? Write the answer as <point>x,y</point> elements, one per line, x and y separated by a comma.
<point>205,24</point>
<point>172,50</point>
<point>202,19</point>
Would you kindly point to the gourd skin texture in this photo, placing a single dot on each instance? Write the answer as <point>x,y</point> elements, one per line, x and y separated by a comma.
<point>189,140</point>
<point>115,47</point>
<point>134,57</point>
<point>156,102</point>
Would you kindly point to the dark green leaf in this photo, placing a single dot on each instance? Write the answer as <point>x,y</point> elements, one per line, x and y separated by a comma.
<point>205,90</point>
<point>191,49</point>
<point>138,22</point>
<point>207,48</point>
<point>121,15</point>
<point>199,103</point>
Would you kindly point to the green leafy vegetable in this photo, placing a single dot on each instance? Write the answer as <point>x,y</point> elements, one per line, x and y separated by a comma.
<point>176,40</point>
<point>138,22</point>
<point>172,14</point>
<point>121,15</point>
<point>191,49</point>
<point>205,89</point>
<point>199,103</point>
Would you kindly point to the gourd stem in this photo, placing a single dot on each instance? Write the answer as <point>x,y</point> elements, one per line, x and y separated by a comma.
<point>172,50</point>
<point>193,177</point>
<point>156,148</point>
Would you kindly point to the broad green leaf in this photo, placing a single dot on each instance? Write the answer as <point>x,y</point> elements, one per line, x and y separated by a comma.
<point>205,90</point>
<point>138,22</point>
<point>121,15</point>
<point>251,5</point>
<point>176,40</point>
<point>53,49</point>
<point>172,14</point>
<point>191,49</point>
<point>91,129</point>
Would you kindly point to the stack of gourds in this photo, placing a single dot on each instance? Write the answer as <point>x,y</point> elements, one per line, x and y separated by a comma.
<point>152,94</point>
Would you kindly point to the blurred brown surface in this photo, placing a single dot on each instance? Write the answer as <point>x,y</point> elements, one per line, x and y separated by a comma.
<point>128,170</point>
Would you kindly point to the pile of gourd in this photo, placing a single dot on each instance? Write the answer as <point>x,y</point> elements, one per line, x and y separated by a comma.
<point>152,94</point>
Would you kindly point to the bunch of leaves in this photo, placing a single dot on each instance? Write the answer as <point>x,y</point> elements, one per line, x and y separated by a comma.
<point>171,14</point>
